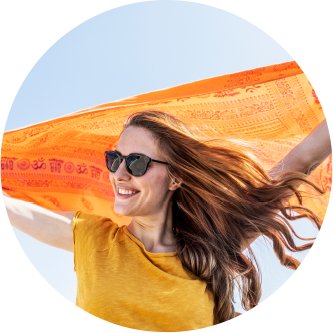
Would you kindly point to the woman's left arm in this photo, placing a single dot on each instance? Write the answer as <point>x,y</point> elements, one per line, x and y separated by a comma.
<point>305,157</point>
<point>316,147</point>
<point>308,154</point>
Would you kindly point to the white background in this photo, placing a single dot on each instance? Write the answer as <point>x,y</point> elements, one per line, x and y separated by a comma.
<point>314,317</point>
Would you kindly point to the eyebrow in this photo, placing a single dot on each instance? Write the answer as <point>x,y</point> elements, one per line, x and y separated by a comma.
<point>117,151</point>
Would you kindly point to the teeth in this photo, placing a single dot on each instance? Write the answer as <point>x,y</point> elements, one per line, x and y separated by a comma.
<point>122,191</point>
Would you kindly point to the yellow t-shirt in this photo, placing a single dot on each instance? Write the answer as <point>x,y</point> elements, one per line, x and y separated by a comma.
<point>120,282</point>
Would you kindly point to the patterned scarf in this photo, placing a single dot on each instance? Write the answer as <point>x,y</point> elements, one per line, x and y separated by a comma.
<point>59,164</point>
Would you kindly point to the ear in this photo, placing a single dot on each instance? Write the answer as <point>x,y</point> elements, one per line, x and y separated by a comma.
<point>174,184</point>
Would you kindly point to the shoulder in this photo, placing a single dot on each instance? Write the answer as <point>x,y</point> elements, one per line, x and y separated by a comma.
<point>91,233</point>
<point>80,216</point>
<point>91,224</point>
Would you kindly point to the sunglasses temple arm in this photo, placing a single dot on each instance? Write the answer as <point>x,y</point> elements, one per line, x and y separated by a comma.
<point>160,162</point>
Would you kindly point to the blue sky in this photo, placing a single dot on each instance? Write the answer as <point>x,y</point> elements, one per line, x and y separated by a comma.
<point>132,50</point>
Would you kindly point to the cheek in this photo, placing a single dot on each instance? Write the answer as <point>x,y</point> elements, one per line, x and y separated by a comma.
<point>111,179</point>
<point>155,185</point>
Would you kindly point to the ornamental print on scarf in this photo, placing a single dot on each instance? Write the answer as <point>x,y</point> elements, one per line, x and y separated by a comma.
<point>59,164</point>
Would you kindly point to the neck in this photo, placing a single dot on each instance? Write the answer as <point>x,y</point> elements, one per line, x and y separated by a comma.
<point>155,232</point>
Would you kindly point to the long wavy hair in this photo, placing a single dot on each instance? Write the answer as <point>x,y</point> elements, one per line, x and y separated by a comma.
<point>225,199</point>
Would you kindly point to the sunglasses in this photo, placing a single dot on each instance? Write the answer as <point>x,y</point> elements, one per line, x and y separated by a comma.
<point>136,164</point>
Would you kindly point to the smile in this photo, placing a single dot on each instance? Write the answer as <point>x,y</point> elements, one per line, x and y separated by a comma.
<point>125,196</point>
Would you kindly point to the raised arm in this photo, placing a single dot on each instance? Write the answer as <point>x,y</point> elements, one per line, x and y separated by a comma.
<point>305,157</point>
<point>308,154</point>
<point>51,228</point>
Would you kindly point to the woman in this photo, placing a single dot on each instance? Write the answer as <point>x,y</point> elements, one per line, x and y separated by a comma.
<point>196,204</point>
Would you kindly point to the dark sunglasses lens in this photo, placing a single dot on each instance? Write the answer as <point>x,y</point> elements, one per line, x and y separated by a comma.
<point>137,165</point>
<point>113,162</point>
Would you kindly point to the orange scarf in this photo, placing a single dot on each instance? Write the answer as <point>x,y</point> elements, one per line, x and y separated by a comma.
<point>59,164</point>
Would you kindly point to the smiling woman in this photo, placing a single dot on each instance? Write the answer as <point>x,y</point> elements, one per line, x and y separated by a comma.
<point>190,220</point>
<point>192,217</point>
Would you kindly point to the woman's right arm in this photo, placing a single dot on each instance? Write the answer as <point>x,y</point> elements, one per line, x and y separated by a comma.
<point>51,228</point>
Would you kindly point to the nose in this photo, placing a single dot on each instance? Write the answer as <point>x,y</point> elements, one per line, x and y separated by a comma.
<point>121,174</point>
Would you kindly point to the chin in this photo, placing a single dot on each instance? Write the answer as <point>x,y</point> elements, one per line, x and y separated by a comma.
<point>123,209</point>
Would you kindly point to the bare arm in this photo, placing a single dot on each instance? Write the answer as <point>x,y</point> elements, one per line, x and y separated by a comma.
<point>51,228</point>
<point>305,157</point>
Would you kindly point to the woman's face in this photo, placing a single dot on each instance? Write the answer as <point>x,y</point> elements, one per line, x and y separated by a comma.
<point>153,190</point>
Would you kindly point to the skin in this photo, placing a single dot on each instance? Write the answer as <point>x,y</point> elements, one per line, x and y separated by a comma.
<point>150,207</point>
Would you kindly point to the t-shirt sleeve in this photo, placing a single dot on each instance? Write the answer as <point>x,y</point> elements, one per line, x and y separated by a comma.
<point>91,233</point>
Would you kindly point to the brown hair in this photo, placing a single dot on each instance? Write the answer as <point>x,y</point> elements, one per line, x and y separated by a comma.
<point>225,198</point>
